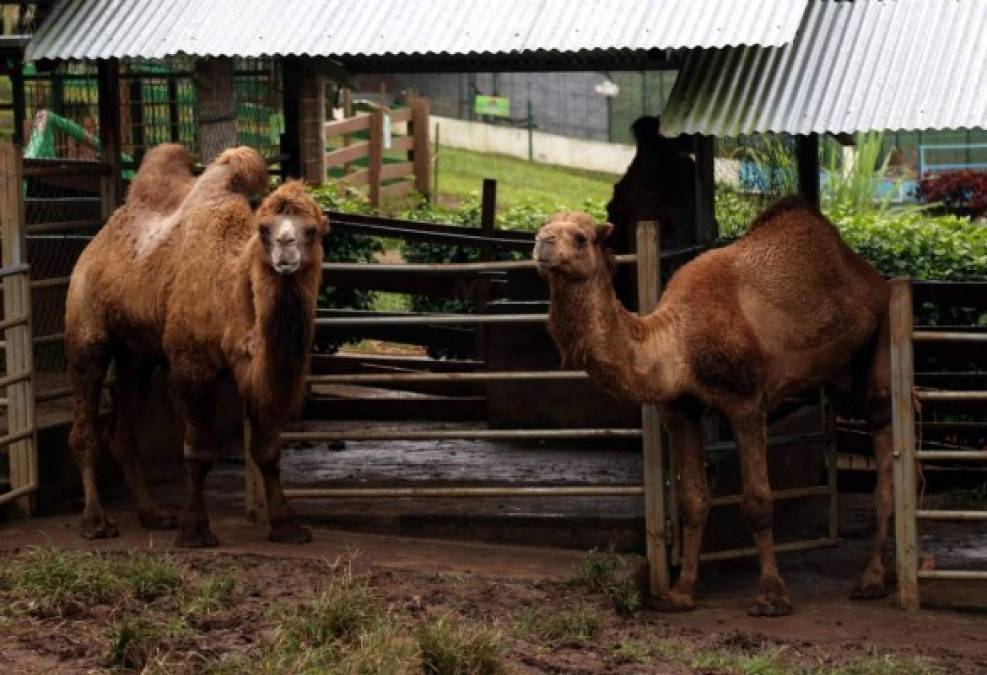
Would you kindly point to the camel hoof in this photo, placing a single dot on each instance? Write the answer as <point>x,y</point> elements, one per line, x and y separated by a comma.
<point>671,602</point>
<point>158,520</point>
<point>289,533</point>
<point>196,540</point>
<point>102,528</point>
<point>869,592</point>
<point>771,607</point>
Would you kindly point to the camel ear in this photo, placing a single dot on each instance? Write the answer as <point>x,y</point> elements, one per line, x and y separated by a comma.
<point>603,232</point>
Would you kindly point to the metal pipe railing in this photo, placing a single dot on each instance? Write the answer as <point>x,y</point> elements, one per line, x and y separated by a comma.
<point>458,434</point>
<point>485,376</point>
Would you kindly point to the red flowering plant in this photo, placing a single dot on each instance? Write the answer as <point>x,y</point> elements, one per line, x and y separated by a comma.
<point>959,192</point>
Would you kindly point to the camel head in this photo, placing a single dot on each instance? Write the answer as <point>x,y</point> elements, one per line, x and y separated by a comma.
<point>290,227</point>
<point>570,244</point>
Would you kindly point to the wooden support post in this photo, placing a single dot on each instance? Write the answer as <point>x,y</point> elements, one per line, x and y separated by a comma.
<point>421,155</point>
<point>173,115</point>
<point>137,118</point>
<point>488,207</point>
<point>108,74</point>
<point>705,187</point>
<point>807,156</point>
<point>648,291</point>
<point>347,96</point>
<point>311,126</point>
<point>376,155</point>
<point>903,443</point>
<point>17,98</point>
<point>17,303</point>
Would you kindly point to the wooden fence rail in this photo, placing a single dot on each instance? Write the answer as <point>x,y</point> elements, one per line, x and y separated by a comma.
<point>383,180</point>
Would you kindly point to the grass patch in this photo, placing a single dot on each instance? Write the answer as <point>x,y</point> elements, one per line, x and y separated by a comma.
<point>56,582</point>
<point>450,646</point>
<point>608,573</point>
<point>577,625</point>
<point>461,173</point>
<point>633,651</point>
<point>886,664</point>
<point>214,594</point>
<point>134,642</point>
<point>766,662</point>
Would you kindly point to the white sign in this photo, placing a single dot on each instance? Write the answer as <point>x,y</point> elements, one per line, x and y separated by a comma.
<point>607,88</point>
<point>387,131</point>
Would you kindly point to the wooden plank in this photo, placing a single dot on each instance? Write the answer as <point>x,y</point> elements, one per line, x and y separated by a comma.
<point>397,170</point>
<point>527,238</point>
<point>656,540</point>
<point>903,443</point>
<point>376,156</point>
<point>422,151</point>
<point>359,122</point>
<point>402,143</point>
<point>344,155</point>
<point>401,115</point>
<point>466,491</point>
<point>357,178</point>
<point>397,190</point>
<point>462,408</point>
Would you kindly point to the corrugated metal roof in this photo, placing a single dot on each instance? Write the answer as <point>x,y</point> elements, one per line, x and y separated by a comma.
<point>97,29</point>
<point>853,66</point>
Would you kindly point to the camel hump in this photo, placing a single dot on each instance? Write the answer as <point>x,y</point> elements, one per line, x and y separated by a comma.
<point>291,199</point>
<point>163,180</point>
<point>786,206</point>
<point>248,170</point>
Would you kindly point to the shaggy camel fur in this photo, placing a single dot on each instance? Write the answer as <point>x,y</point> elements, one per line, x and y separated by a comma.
<point>185,274</point>
<point>787,307</point>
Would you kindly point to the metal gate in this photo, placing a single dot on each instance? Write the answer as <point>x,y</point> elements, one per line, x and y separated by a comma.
<point>658,486</point>
<point>15,322</point>
<point>907,455</point>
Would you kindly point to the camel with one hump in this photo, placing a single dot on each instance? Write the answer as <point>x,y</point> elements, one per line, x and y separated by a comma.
<point>187,275</point>
<point>787,307</point>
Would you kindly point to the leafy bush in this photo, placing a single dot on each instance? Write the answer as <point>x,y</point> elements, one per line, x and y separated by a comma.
<point>910,241</point>
<point>960,192</point>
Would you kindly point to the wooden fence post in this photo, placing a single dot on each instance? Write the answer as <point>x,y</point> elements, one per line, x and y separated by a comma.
<point>347,103</point>
<point>16,303</point>
<point>312,122</point>
<point>656,537</point>
<point>376,155</point>
<point>421,155</point>
<point>108,72</point>
<point>903,442</point>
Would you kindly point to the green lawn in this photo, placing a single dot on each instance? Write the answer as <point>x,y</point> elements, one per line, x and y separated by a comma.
<point>461,172</point>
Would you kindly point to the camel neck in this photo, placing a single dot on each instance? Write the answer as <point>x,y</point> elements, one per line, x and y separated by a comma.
<point>632,357</point>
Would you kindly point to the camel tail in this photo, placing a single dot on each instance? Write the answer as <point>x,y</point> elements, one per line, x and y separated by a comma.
<point>163,180</point>
<point>247,170</point>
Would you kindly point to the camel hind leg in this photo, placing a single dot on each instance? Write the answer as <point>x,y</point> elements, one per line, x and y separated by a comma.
<point>131,381</point>
<point>88,362</point>
<point>874,581</point>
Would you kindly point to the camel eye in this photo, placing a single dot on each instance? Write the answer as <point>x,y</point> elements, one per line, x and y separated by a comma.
<point>264,230</point>
<point>310,232</point>
<point>580,239</point>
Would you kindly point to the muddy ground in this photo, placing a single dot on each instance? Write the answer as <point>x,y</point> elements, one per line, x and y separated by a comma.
<point>522,600</point>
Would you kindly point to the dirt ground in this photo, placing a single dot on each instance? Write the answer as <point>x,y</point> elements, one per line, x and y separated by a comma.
<point>544,623</point>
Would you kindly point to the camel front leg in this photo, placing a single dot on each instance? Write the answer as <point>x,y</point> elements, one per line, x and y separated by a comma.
<point>758,510</point>
<point>87,369</point>
<point>685,436</point>
<point>265,449</point>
